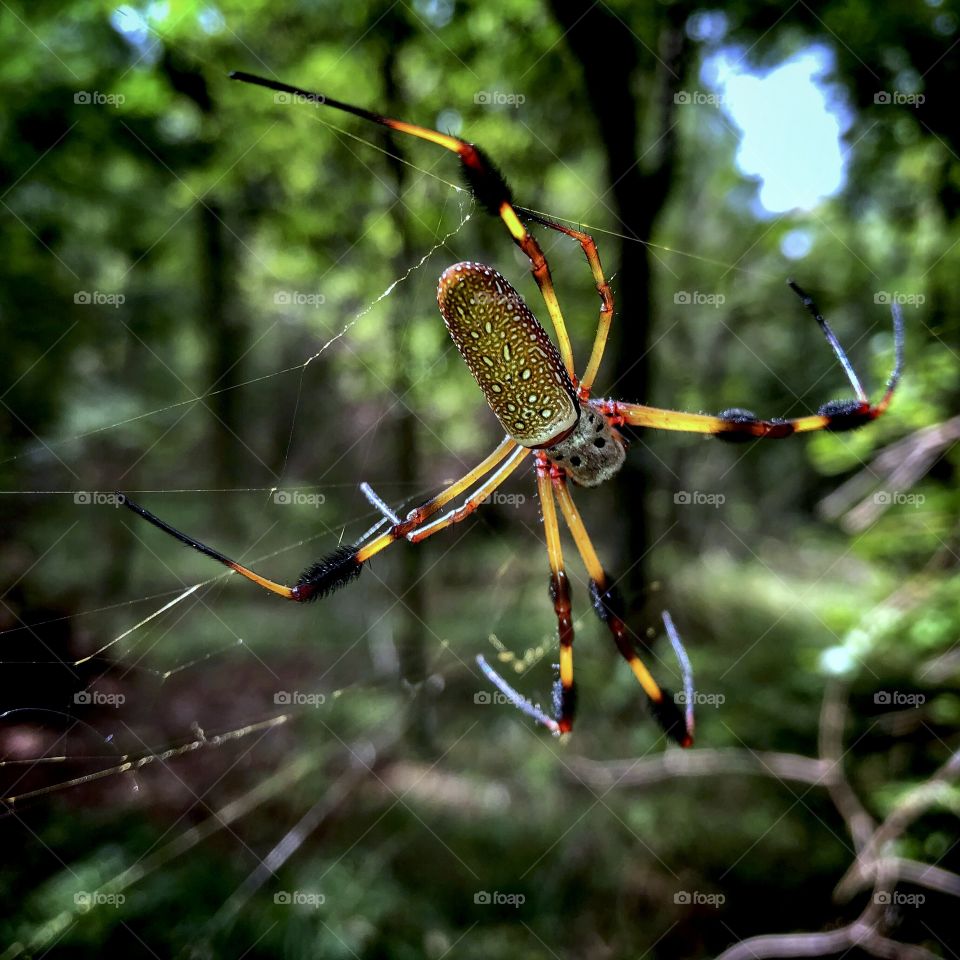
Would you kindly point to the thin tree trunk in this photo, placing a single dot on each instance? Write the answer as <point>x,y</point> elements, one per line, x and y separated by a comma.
<point>405,453</point>
<point>610,59</point>
<point>226,345</point>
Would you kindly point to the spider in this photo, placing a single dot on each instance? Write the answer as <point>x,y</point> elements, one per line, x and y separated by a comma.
<point>548,414</point>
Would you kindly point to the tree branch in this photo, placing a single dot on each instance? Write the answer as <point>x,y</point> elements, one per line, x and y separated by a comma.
<point>833,718</point>
<point>912,806</point>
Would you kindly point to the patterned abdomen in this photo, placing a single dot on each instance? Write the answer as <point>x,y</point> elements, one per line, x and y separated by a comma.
<point>509,354</point>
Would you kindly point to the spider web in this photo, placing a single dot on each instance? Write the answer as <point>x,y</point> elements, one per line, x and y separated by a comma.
<point>53,754</point>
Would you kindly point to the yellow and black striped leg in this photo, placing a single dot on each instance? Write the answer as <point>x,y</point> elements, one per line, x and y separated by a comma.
<point>344,564</point>
<point>737,425</point>
<point>565,691</point>
<point>608,607</point>
<point>541,273</point>
<point>485,181</point>
<point>733,425</point>
<point>589,247</point>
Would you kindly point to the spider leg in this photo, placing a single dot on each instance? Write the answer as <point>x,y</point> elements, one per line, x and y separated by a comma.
<point>345,563</point>
<point>565,692</point>
<point>517,699</point>
<point>589,246</point>
<point>831,338</point>
<point>484,180</point>
<point>189,541</point>
<point>418,532</point>
<point>739,425</point>
<point>607,604</point>
<point>732,425</point>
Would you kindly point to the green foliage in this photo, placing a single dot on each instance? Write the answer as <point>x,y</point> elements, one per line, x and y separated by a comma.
<point>260,345</point>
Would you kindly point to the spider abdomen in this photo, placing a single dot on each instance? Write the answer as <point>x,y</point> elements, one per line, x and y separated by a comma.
<point>515,363</point>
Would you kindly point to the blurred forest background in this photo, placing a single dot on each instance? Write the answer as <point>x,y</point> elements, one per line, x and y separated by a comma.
<point>197,306</point>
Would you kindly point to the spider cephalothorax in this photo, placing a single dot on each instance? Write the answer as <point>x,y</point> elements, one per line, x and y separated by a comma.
<point>593,451</point>
<point>531,386</point>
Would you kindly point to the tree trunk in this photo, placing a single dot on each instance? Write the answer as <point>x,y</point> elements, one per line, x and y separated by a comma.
<point>609,56</point>
<point>405,454</point>
<point>226,345</point>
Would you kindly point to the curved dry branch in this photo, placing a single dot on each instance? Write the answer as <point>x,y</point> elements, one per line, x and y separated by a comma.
<point>861,933</point>
<point>921,874</point>
<point>913,805</point>
<point>833,720</point>
<point>870,840</point>
<point>700,763</point>
<point>899,466</point>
